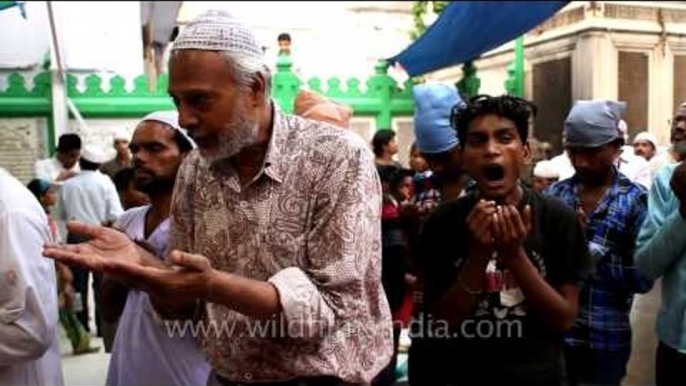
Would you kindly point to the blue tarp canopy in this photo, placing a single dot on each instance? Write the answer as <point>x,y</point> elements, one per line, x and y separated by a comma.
<point>467,29</point>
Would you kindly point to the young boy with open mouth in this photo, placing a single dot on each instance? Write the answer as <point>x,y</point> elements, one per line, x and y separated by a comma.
<point>502,264</point>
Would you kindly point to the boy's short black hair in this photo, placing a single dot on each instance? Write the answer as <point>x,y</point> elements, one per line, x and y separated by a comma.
<point>38,187</point>
<point>382,138</point>
<point>397,178</point>
<point>69,142</point>
<point>516,109</point>
<point>386,172</point>
<point>283,36</point>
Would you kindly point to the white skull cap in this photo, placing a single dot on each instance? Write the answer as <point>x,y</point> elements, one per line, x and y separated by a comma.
<point>93,153</point>
<point>546,169</point>
<point>171,119</point>
<point>216,30</point>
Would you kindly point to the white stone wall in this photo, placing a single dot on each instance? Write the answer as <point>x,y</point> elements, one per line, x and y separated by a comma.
<point>22,142</point>
<point>404,128</point>
<point>101,131</point>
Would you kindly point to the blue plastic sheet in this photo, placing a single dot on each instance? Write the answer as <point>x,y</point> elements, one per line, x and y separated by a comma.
<point>467,29</point>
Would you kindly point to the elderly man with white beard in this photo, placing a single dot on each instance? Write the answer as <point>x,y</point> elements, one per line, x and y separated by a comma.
<point>275,221</point>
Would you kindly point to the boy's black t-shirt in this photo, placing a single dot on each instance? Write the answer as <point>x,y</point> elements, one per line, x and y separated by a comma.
<point>503,339</point>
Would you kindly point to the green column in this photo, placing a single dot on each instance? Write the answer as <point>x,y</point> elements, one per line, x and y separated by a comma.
<point>470,83</point>
<point>382,86</point>
<point>286,85</point>
<point>514,85</point>
<point>519,67</point>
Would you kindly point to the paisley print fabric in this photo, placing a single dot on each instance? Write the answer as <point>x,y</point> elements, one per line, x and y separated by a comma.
<point>310,224</point>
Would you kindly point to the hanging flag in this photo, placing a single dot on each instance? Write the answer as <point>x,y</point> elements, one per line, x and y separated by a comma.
<point>467,29</point>
<point>9,4</point>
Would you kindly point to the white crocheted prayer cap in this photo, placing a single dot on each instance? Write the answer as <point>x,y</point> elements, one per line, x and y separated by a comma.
<point>171,119</point>
<point>546,169</point>
<point>216,30</point>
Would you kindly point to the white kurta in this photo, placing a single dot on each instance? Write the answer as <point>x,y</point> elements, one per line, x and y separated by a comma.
<point>89,197</point>
<point>144,352</point>
<point>48,169</point>
<point>29,333</point>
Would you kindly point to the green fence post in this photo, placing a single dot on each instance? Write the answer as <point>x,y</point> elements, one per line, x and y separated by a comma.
<point>382,87</point>
<point>511,82</point>
<point>519,66</point>
<point>470,83</point>
<point>286,84</point>
<point>514,85</point>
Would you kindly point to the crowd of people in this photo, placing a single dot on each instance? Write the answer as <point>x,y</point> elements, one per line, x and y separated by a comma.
<point>231,243</point>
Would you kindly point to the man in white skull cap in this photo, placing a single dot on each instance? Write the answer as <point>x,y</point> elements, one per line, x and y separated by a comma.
<point>275,227</point>
<point>636,168</point>
<point>645,145</point>
<point>144,352</point>
<point>122,159</point>
<point>545,174</point>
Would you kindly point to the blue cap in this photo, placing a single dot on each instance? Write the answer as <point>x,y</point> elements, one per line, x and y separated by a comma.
<point>38,187</point>
<point>433,105</point>
<point>593,123</point>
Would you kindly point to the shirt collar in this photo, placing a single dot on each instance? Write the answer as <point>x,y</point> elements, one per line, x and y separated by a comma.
<point>620,184</point>
<point>274,165</point>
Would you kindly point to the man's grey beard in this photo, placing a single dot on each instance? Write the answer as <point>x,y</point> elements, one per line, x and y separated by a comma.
<point>238,134</point>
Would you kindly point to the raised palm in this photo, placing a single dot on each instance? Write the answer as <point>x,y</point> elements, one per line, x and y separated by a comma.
<point>106,245</point>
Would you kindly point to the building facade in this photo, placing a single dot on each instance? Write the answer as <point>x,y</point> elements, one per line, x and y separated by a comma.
<point>629,51</point>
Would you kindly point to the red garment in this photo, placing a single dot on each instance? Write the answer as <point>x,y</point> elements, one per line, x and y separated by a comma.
<point>404,314</point>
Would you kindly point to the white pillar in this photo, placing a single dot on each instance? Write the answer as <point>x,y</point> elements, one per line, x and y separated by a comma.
<point>60,114</point>
<point>661,92</point>
<point>594,67</point>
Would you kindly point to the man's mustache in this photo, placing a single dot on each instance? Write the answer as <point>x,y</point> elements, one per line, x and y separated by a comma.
<point>143,169</point>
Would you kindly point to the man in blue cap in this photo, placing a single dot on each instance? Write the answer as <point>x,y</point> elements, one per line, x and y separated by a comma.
<point>612,208</point>
<point>437,142</point>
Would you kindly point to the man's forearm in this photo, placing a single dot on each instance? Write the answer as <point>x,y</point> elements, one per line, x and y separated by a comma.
<point>545,301</point>
<point>459,302</point>
<point>253,298</point>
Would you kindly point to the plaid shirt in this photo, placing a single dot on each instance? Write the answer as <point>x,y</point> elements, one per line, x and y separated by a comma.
<point>605,297</point>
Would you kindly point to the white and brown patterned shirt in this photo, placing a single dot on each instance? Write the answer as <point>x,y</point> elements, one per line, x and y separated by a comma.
<point>310,224</point>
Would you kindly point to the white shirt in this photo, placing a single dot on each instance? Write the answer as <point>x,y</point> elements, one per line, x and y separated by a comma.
<point>29,334</point>
<point>635,167</point>
<point>144,353</point>
<point>89,197</point>
<point>48,169</point>
<point>563,165</point>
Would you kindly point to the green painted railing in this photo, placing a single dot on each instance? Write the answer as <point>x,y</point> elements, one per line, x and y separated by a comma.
<point>18,101</point>
<point>382,99</point>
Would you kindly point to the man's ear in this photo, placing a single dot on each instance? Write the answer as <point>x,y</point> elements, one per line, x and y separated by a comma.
<point>526,153</point>
<point>258,89</point>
